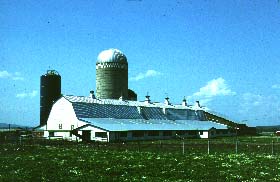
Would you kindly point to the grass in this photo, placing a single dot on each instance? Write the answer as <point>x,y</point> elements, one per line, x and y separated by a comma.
<point>114,162</point>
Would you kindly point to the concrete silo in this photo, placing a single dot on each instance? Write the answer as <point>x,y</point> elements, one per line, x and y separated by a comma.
<point>50,91</point>
<point>111,75</point>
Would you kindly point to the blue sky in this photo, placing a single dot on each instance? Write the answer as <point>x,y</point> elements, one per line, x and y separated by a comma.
<point>223,53</point>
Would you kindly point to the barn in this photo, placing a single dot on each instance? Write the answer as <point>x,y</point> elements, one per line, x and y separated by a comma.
<point>87,118</point>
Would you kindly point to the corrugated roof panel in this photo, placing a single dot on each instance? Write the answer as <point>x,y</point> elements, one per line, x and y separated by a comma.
<point>128,125</point>
<point>184,114</point>
<point>93,110</point>
<point>153,113</point>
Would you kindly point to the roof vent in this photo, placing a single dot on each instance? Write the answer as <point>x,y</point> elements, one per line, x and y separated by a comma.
<point>91,94</point>
<point>166,101</point>
<point>184,102</point>
<point>147,100</point>
<point>197,104</point>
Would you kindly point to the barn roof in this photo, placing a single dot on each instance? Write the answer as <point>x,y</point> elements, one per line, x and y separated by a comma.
<point>120,115</point>
<point>141,124</point>
<point>86,107</point>
<point>84,99</point>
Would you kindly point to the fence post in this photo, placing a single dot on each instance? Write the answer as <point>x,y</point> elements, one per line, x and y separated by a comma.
<point>183,147</point>
<point>208,147</point>
<point>272,147</point>
<point>236,146</point>
<point>138,146</point>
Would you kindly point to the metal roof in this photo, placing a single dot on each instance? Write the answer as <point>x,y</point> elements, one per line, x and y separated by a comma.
<point>111,55</point>
<point>119,115</point>
<point>153,113</point>
<point>95,110</point>
<point>141,124</point>
<point>84,99</point>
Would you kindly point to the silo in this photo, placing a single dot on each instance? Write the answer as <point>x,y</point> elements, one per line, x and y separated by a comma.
<point>131,95</point>
<point>50,91</point>
<point>111,75</point>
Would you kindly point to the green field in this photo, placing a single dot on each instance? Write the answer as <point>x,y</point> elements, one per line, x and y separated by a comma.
<point>162,161</point>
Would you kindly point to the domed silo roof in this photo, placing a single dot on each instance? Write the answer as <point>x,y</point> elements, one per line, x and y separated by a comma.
<point>110,56</point>
<point>111,75</point>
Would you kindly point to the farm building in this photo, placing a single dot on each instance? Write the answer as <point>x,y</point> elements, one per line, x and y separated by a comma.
<point>114,114</point>
<point>88,118</point>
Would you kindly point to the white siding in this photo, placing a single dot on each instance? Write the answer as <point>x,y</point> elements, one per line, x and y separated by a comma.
<point>62,114</point>
<point>93,131</point>
<point>203,134</point>
<point>46,133</point>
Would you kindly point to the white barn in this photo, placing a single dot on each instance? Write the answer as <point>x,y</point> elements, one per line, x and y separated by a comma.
<point>91,119</point>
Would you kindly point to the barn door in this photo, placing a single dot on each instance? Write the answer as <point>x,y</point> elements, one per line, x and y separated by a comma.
<point>86,135</point>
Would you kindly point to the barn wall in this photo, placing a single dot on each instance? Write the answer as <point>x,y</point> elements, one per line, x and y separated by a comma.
<point>220,133</point>
<point>63,117</point>
<point>204,134</point>
<point>93,131</point>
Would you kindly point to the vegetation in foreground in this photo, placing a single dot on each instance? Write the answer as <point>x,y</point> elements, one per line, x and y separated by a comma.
<point>87,163</point>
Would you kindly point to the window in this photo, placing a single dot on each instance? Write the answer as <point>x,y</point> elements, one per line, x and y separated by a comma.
<point>101,134</point>
<point>201,132</point>
<point>153,133</point>
<point>60,126</point>
<point>167,133</point>
<point>138,134</point>
<point>51,134</point>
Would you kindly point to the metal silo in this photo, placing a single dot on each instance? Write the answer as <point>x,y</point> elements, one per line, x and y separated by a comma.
<point>111,75</point>
<point>50,91</point>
